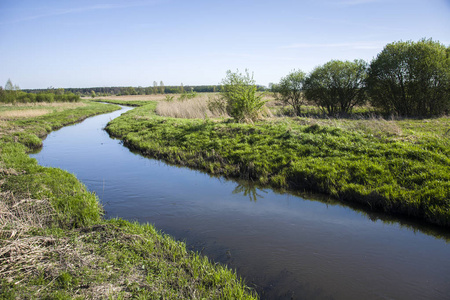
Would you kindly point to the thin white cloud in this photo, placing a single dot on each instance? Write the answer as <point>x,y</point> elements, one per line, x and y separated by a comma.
<point>76,10</point>
<point>354,45</point>
<point>355,2</point>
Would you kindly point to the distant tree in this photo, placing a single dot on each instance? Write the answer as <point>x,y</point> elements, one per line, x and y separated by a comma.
<point>148,90</point>
<point>131,90</point>
<point>9,86</point>
<point>290,90</point>
<point>155,87</point>
<point>337,86</point>
<point>181,88</point>
<point>93,94</point>
<point>240,93</point>
<point>161,87</point>
<point>411,78</point>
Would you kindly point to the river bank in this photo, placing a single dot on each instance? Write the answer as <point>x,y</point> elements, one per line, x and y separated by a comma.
<point>55,243</point>
<point>398,167</point>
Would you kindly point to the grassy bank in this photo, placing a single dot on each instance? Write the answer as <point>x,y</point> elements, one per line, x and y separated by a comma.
<point>55,244</point>
<point>399,167</point>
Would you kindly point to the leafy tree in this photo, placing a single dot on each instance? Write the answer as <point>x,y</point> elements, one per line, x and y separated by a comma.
<point>155,87</point>
<point>181,88</point>
<point>337,86</point>
<point>411,78</point>
<point>10,93</point>
<point>93,94</point>
<point>290,90</point>
<point>240,93</point>
<point>161,87</point>
<point>9,86</point>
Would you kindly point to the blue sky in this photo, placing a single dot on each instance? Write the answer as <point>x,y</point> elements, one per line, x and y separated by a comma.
<point>63,43</point>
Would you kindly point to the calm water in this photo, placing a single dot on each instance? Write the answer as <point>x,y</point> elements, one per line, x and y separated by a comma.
<point>285,246</point>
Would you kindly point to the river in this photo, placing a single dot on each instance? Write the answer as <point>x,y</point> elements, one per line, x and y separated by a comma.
<point>285,246</point>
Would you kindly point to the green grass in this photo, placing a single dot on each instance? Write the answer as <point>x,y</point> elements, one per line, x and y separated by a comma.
<point>399,167</point>
<point>54,243</point>
<point>29,131</point>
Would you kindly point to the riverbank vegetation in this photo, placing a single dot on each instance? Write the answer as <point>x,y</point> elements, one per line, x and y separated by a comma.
<point>54,242</point>
<point>399,166</point>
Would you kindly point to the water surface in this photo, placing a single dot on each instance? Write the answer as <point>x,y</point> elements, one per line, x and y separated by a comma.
<point>283,245</point>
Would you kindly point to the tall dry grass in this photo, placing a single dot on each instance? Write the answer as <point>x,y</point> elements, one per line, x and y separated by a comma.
<point>45,104</point>
<point>25,113</point>
<point>157,97</point>
<point>195,108</point>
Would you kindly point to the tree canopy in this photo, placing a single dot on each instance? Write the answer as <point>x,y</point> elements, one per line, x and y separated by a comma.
<point>337,86</point>
<point>290,89</point>
<point>411,78</point>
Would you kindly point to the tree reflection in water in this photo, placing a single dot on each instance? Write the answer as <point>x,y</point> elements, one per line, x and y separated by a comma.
<point>249,189</point>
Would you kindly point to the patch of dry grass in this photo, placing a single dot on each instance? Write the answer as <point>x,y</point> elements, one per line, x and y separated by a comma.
<point>22,114</point>
<point>18,215</point>
<point>372,126</point>
<point>31,110</point>
<point>46,104</point>
<point>195,108</point>
<point>157,97</point>
<point>24,255</point>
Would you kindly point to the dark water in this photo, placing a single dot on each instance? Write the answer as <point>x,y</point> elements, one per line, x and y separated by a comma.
<point>285,246</point>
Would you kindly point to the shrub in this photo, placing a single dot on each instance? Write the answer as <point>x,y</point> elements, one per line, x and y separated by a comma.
<point>290,89</point>
<point>240,93</point>
<point>337,86</point>
<point>41,97</point>
<point>411,79</point>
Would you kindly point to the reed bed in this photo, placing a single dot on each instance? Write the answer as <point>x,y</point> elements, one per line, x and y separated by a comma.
<point>195,108</point>
<point>157,97</point>
<point>67,105</point>
<point>26,113</point>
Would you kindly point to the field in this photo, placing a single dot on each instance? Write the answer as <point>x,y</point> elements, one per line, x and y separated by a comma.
<point>399,166</point>
<point>55,244</point>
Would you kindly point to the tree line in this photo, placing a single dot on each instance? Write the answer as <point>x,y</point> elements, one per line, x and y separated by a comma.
<point>406,78</point>
<point>130,90</point>
<point>12,94</point>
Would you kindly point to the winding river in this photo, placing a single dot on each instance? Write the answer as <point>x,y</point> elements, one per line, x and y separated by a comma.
<point>284,245</point>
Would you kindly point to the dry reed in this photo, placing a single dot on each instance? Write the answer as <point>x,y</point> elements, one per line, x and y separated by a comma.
<point>195,108</point>
<point>25,113</point>
<point>157,97</point>
<point>46,104</point>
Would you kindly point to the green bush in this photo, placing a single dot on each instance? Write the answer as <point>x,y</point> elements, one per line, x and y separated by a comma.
<point>411,79</point>
<point>240,92</point>
<point>337,86</point>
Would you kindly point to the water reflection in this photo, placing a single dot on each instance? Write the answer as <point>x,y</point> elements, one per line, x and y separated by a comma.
<point>249,189</point>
